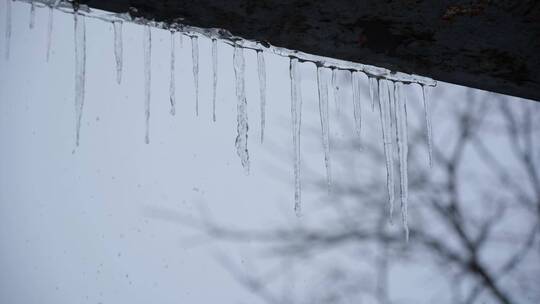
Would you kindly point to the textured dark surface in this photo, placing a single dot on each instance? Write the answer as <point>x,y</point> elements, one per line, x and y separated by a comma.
<point>491,45</point>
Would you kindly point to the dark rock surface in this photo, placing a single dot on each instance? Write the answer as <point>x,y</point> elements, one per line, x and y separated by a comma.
<point>486,44</point>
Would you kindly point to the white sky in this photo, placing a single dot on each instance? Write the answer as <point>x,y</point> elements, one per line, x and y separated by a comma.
<point>97,224</point>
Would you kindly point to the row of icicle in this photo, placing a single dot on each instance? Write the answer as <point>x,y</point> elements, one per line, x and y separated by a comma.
<point>388,94</point>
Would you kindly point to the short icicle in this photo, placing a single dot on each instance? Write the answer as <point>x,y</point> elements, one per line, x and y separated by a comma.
<point>356,103</point>
<point>296,113</point>
<point>195,62</point>
<point>172,80</point>
<point>335,88</point>
<point>32,14</point>
<point>8,27</point>
<point>373,91</point>
<point>49,32</point>
<point>241,108</point>
<point>400,108</point>
<point>384,110</point>
<point>118,49</point>
<point>80,71</point>
<point>261,69</point>
<point>215,76</point>
<point>429,130</point>
<point>147,48</point>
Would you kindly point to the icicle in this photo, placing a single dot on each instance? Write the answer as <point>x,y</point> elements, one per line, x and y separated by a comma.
<point>261,67</point>
<point>215,74</point>
<point>118,49</point>
<point>323,112</point>
<point>172,83</point>
<point>400,108</point>
<point>80,70</point>
<point>335,88</point>
<point>356,103</point>
<point>429,131</point>
<point>49,32</point>
<point>8,27</point>
<point>384,109</point>
<point>32,14</point>
<point>195,59</point>
<point>242,118</point>
<point>296,113</point>
<point>147,48</point>
<point>373,90</point>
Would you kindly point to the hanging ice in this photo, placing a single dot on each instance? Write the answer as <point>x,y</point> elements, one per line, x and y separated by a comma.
<point>241,108</point>
<point>261,68</point>
<point>195,59</point>
<point>80,70</point>
<point>296,113</point>
<point>172,82</point>
<point>32,14</point>
<point>356,103</point>
<point>400,108</point>
<point>8,27</point>
<point>147,48</point>
<point>384,109</point>
<point>118,49</point>
<point>215,76</point>
<point>323,113</point>
<point>429,130</point>
<point>49,32</point>
<point>335,88</point>
<point>373,91</point>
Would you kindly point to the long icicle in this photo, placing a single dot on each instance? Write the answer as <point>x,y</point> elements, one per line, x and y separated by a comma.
<point>8,27</point>
<point>429,130</point>
<point>215,76</point>
<point>118,49</point>
<point>400,108</point>
<point>241,108</point>
<point>32,14</point>
<point>356,103</point>
<point>384,110</point>
<point>296,113</point>
<point>80,70</point>
<point>49,32</point>
<point>195,61</point>
<point>335,88</point>
<point>172,82</point>
<point>323,113</point>
<point>147,48</point>
<point>261,68</point>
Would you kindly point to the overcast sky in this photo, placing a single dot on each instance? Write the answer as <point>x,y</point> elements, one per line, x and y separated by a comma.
<point>99,223</point>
